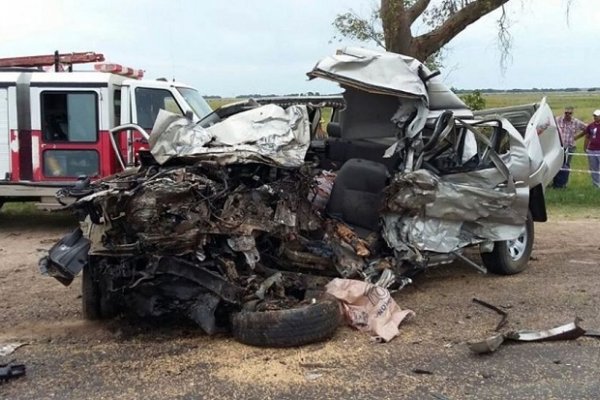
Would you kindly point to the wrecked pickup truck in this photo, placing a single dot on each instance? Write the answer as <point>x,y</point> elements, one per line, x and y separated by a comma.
<point>239,220</point>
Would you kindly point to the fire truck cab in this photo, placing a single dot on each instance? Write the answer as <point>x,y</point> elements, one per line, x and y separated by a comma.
<point>54,126</point>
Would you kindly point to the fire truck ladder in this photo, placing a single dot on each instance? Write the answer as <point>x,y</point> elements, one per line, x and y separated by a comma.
<point>55,59</point>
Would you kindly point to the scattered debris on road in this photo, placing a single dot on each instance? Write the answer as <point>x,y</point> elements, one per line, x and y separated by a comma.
<point>9,348</point>
<point>369,307</point>
<point>503,313</point>
<point>569,331</point>
<point>11,371</point>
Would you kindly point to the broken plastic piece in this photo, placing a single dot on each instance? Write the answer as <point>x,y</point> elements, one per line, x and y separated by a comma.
<point>8,371</point>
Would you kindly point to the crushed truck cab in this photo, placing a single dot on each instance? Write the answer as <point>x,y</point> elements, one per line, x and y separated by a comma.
<point>236,220</point>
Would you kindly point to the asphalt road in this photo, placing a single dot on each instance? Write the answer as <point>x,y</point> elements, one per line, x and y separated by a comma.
<point>68,358</point>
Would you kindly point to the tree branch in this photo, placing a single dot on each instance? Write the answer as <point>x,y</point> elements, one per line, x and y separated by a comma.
<point>417,9</point>
<point>437,38</point>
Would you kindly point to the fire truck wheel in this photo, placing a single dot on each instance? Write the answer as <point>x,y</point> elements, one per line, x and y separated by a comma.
<point>90,295</point>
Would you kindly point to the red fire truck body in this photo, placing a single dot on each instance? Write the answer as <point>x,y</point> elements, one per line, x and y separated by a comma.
<point>54,126</point>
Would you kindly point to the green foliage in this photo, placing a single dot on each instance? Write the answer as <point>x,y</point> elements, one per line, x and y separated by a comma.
<point>350,26</point>
<point>474,100</point>
<point>390,26</point>
<point>435,61</point>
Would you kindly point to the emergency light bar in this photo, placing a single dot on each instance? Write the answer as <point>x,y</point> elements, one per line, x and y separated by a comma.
<point>120,70</point>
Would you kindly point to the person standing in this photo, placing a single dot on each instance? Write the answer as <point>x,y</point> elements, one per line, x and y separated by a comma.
<point>570,129</point>
<point>591,145</point>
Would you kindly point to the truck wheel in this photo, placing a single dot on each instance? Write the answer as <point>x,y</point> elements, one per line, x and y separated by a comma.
<point>287,328</point>
<point>109,308</point>
<point>90,295</point>
<point>510,257</point>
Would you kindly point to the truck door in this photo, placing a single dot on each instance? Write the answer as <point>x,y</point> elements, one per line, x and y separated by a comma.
<point>140,104</point>
<point>69,141</point>
<point>544,143</point>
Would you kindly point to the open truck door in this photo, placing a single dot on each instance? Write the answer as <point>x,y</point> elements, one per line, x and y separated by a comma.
<point>543,139</point>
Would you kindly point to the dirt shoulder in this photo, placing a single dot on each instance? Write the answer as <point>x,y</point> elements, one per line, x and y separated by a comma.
<point>69,358</point>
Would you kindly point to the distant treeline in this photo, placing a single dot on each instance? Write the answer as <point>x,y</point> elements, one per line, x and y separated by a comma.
<point>258,96</point>
<point>534,90</point>
<point>458,91</point>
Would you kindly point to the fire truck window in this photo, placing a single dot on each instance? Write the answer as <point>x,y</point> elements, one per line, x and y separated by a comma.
<point>70,163</point>
<point>150,101</point>
<point>117,109</point>
<point>69,117</point>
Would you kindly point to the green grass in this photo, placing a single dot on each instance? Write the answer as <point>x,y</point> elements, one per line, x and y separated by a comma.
<point>583,102</point>
<point>28,215</point>
<point>580,198</point>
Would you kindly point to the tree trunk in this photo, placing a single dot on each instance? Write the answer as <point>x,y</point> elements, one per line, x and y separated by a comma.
<point>397,19</point>
<point>396,27</point>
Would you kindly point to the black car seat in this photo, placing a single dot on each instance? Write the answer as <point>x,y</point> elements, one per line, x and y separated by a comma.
<point>364,129</point>
<point>358,192</point>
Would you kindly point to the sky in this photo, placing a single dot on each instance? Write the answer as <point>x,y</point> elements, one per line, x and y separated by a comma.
<point>236,47</point>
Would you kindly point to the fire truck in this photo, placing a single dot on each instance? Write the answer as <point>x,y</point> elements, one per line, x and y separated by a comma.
<point>58,125</point>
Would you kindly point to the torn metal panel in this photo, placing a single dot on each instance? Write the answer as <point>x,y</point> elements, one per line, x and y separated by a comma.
<point>266,134</point>
<point>10,347</point>
<point>544,145</point>
<point>374,71</point>
<point>276,281</point>
<point>443,213</point>
<point>488,345</point>
<point>247,246</point>
<point>442,236</point>
<point>568,331</point>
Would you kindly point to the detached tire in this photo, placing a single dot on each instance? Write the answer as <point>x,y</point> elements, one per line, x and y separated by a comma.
<point>288,328</point>
<point>90,295</point>
<point>510,257</point>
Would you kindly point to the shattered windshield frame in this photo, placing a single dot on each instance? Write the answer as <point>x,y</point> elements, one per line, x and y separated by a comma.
<point>196,101</point>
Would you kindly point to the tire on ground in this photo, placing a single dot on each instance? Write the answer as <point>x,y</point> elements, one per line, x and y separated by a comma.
<point>90,295</point>
<point>287,328</point>
<point>500,261</point>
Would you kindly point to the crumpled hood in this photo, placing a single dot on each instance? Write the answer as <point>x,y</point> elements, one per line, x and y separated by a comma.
<point>267,134</point>
<point>376,72</point>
